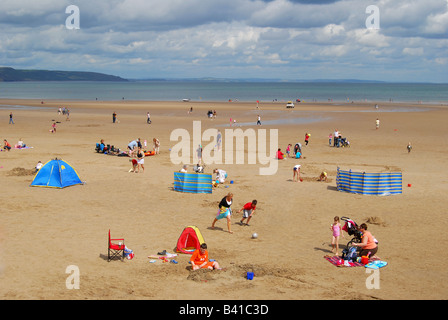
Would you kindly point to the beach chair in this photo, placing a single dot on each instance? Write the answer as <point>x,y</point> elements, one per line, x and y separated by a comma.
<point>114,249</point>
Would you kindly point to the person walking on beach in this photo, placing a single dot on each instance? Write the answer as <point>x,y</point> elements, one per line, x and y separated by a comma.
<point>258,120</point>
<point>114,117</point>
<point>409,147</point>
<point>199,153</point>
<point>224,211</point>
<point>377,123</point>
<point>10,119</point>
<point>329,139</point>
<point>156,145</point>
<point>218,140</point>
<point>148,118</point>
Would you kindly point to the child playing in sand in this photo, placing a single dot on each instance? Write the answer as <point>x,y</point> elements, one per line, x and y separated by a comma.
<point>288,150</point>
<point>199,259</point>
<point>337,232</point>
<point>280,154</point>
<point>38,166</point>
<point>6,146</point>
<point>134,165</point>
<point>296,173</point>
<point>307,138</point>
<point>323,176</point>
<point>249,210</point>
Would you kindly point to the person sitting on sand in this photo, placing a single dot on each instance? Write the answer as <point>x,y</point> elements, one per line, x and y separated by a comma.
<point>38,166</point>
<point>199,259</point>
<point>102,146</point>
<point>368,244</point>
<point>280,154</point>
<point>21,144</point>
<point>184,168</point>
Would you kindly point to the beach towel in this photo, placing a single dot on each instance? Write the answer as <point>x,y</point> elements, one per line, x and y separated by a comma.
<point>376,264</point>
<point>338,261</point>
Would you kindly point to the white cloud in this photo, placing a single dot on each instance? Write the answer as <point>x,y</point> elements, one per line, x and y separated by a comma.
<point>251,37</point>
<point>413,51</point>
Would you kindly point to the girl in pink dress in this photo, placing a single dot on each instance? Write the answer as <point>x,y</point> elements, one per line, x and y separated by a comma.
<point>337,232</point>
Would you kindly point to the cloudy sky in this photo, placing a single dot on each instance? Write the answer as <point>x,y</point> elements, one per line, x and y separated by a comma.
<point>281,39</point>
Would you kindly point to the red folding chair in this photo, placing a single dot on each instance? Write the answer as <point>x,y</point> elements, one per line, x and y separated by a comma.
<point>115,250</point>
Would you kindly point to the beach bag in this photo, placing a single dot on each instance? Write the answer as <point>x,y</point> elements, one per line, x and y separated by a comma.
<point>128,253</point>
<point>349,254</point>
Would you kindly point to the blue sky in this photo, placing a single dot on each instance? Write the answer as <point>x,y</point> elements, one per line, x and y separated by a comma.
<point>281,39</point>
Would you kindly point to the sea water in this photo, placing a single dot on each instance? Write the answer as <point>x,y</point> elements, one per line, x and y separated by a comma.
<point>227,90</point>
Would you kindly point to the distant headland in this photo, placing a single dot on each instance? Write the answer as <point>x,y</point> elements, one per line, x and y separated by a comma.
<point>8,74</point>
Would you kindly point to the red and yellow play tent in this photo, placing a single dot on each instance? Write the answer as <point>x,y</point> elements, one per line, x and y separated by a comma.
<point>190,239</point>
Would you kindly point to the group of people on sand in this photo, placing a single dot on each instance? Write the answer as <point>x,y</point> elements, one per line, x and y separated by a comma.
<point>64,111</point>
<point>136,151</point>
<point>368,245</point>
<point>295,152</point>
<point>7,146</point>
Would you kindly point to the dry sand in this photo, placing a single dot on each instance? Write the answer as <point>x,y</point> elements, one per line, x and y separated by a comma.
<point>45,230</point>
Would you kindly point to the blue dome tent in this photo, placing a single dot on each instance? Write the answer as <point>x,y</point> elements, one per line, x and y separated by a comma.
<point>56,174</point>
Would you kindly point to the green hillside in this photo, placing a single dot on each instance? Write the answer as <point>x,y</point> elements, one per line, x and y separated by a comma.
<point>10,74</point>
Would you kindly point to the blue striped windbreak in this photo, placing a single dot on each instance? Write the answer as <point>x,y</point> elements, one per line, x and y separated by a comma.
<point>382,184</point>
<point>193,182</point>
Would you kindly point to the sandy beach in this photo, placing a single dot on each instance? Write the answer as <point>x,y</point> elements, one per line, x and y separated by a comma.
<point>45,230</point>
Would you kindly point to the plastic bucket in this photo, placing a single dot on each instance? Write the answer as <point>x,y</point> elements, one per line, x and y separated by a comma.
<point>364,260</point>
